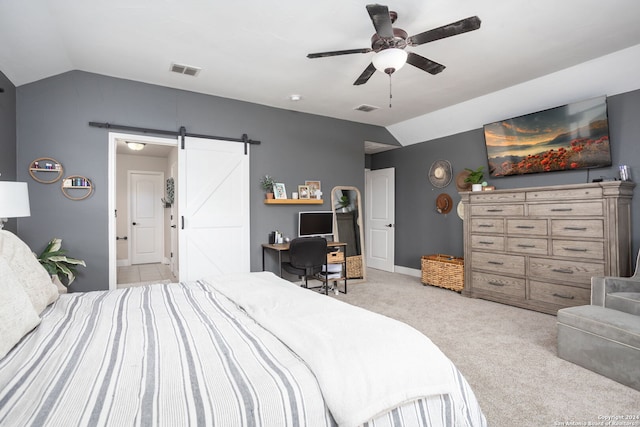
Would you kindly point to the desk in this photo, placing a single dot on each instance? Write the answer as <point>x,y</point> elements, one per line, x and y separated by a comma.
<point>284,247</point>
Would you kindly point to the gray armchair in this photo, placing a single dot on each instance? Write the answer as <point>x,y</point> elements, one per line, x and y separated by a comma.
<point>605,336</point>
<point>618,293</point>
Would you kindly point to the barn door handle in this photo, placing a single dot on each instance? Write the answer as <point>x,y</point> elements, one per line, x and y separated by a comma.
<point>182,220</point>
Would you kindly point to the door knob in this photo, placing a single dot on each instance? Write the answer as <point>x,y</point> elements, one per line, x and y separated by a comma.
<point>135,223</point>
<point>389,225</point>
<point>173,226</point>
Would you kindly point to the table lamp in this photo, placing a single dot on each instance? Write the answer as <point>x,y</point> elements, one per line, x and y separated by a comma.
<point>14,200</point>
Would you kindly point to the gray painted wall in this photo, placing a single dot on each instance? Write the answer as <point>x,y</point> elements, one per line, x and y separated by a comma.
<point>52,121</point>
<point>420,230</point>
<point>8,137</point>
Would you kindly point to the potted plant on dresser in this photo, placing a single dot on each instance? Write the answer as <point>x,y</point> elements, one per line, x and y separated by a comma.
<point>475,178</point>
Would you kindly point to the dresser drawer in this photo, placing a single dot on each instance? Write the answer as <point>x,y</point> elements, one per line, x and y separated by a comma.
<point>487,225</point>
<point>578,249</point>
<point>566,194</point>
<point>494,283</point>
<point>583,228</point>
<point>567,209</point>
<point>562,295</point>
<point>535,227</point>
<point>567,271</point>
<point>527,245</point>
<point>512,264</point>
<point>496,196</point>
<point>497,210</point>
<point>493,243</point>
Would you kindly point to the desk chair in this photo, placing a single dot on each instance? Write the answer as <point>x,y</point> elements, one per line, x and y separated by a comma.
<point>307,256</point>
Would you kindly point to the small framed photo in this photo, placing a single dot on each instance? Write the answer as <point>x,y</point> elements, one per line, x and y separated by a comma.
<point>303,192</point>
<point>313,187</point>
<point>279,190</point>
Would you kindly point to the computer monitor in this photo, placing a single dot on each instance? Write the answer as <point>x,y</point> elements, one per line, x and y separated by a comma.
<point>315,223</point>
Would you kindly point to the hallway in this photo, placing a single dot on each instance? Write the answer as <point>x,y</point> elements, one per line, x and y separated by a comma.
<point>144,274</point>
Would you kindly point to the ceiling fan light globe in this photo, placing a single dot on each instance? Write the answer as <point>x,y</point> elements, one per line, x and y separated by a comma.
<point>391,59</point>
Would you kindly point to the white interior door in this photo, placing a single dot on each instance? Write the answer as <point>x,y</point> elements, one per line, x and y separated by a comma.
<point>380,218</point>
<point>213,230</point>
<point>146,218</point>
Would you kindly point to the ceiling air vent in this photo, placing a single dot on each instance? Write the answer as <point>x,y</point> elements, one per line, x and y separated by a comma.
<point>366,108</point>
<point>185,69</point>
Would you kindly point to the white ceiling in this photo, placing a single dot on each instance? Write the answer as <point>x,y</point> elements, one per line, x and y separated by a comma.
<point>256,51</point>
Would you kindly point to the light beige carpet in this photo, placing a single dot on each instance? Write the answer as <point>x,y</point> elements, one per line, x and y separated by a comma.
<point>507,354</point>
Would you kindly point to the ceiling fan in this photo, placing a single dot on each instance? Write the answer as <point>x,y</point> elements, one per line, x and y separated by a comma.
<point>389,43</point>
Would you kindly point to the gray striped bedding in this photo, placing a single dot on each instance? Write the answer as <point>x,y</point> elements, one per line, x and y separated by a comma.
<point>174,355</point>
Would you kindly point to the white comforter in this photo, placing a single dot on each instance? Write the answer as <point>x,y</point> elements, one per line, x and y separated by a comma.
<point>385,362</point>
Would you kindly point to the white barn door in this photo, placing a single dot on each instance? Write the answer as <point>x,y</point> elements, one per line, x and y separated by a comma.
<point>213,208</point>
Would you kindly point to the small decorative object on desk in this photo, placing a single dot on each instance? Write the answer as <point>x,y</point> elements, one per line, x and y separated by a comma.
<point>444,271</point>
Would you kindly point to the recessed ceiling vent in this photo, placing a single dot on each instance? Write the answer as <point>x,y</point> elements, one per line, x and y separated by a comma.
<point>366,108</point>
<point>185,69</point>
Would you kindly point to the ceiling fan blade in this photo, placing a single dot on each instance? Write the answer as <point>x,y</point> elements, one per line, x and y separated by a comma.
<point>381,20</point>
<point>366,75</point>
<point>425,64</point>
<point>455,28</point>
<point>339,52</point>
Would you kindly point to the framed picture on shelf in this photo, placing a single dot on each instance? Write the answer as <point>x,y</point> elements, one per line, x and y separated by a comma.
<point>303,192</point>
<point>313,187</point>
<point>279,190</point>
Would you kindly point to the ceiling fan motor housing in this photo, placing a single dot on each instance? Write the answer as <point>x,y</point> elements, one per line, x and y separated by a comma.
<point>399,40</point>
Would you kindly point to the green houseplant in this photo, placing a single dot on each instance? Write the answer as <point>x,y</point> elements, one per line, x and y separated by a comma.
<point>61,267</point>
<point>267,182</point>
<point>475,178</point>
<point>343,203</point>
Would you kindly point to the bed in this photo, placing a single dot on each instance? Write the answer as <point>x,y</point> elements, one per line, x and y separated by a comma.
<point>238,350</point>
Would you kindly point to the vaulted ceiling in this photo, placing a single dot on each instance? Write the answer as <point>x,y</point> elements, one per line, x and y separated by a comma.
<point>256,51</point>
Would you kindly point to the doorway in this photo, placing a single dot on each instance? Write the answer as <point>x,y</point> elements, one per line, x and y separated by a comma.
<point>380,218</point>
<point>158,155</point>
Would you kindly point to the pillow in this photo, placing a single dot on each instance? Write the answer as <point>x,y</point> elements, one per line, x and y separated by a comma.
<point>30,273</point>
<point>17,315</point>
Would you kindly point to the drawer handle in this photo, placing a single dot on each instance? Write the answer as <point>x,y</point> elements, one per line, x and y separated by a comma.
<point>486,225</point>
<point>495,262</point>
<point>526,246</point>
<point>576,249</point>
<point>494,210</point>
<point>561,209</point>
<point>564,296</point>
<point>495,283</point>
<point>528,227</point>
<point>562,270</point>
<point>576,228</point>
<point>484,242</point>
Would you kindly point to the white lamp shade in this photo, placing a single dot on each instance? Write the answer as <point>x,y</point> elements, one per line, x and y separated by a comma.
<point>391,58</point>
<point>14,199</point>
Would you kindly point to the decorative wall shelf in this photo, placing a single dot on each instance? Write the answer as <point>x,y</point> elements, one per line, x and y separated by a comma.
<point>46,170</point>
<point>76,187</point>
<point>293,201</point>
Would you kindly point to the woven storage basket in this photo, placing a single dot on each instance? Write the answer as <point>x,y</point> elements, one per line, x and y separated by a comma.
<point>444,271</point>
<point>335,257</point>
<point>354,267</point>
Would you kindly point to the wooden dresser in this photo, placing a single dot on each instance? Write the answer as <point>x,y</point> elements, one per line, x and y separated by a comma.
<point>538,247</point>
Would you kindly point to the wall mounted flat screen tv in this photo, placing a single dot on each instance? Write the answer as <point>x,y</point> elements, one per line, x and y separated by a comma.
<point>570,137</point>
<point>315,223</point>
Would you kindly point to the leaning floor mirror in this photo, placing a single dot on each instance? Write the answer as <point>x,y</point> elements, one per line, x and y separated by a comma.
<point>347,209</point>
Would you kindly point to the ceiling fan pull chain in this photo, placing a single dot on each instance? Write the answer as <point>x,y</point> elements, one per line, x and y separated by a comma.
<point>390,95</point>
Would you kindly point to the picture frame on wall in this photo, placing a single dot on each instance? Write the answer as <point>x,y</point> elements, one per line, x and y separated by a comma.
<point>313,187</point>
<point>304,192</point>
<point>279,190</point>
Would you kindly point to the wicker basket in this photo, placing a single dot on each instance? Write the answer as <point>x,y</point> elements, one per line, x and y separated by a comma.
<point>335,257</point>
<point>354,267</point>
<point>444,271</point>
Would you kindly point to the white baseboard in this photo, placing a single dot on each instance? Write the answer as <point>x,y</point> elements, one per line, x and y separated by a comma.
<point>408,271</point>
